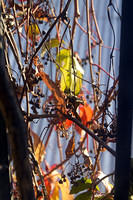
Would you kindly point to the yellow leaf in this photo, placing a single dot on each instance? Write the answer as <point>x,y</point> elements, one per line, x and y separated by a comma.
<point>33,31</point>
<point>55,192</point>
<point>65,190</point>
<point>71,76</point>
<point>52,43</point>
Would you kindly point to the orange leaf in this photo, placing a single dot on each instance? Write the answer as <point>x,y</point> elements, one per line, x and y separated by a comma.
<point>85,113</point>
<point>67,123</point>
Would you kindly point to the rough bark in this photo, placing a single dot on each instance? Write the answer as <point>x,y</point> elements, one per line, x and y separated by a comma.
<point>4,167</point>
<point>17,130</point>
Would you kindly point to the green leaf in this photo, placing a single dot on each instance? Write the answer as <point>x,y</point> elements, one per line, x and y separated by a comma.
<point>52,43</point>
<point>81,185</point>
<point>71,77</point>
<point>84,196</point>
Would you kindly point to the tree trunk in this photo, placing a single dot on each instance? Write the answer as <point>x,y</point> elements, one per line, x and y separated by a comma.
<point>17,130</point>
<point>4,167</point>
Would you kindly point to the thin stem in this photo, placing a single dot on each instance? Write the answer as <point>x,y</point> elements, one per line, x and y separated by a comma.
<point>89,47</point>
<point>60,149</point>
<point>27,30</point>
<point>76,16</point>
<point>17,27</point>
<point>64,161</point>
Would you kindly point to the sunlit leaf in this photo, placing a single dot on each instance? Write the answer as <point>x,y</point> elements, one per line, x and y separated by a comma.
<point>85,114</point>
<point>81,185</point>
<point>87,159</point>
<point>55,193</point>
<point>52,43</point>
<point>84,196</point>
<point>33,31</point>
<point>39,147</point>
<point>65,191</point>
<point>58,188</point>
<point>71,76</point>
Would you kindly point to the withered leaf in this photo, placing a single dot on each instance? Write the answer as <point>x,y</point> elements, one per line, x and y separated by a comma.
<point>70,147</point>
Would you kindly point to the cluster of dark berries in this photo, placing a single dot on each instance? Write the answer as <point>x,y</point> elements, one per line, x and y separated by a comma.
<point>89,98</point>
<point>77,172</point>
<point>49,108</point>
<point>35,102</point>
<point>85,61</point>
<point>108,131</point>
<point>63,179</point>
<point>32,79</point>
<point>102,133</point>
<point>38,92</point>
<point>46,59</point>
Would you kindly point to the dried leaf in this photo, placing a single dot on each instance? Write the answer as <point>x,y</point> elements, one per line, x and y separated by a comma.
<point>58,95</point>
<point>87,159</point>
<point>39,147</point>
<point>70,147</point>
<point>33,31</point>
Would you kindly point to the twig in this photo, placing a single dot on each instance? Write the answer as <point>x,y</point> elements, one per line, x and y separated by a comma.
<point>89,48</point>
<point>45,195</point>
<point>77,122</point>
<point>60,149</point>
<point>101,142</point>
<point>76,16</point>
<point>17,27</point>
<point>49,31</point>
<point>63,162</point>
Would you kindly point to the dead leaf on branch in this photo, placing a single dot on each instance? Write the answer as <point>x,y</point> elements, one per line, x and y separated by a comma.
<point>70,147</point>
<point>39,147</point>
<point>87,159</point>
<point>53,87</point>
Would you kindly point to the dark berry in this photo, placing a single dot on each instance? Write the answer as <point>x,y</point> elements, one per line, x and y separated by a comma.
<point>69,174</point>
<point>60,181</point>
<point>43,32</point>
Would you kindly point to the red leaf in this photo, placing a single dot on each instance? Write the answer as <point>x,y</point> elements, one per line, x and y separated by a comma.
<point>85,113</point>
